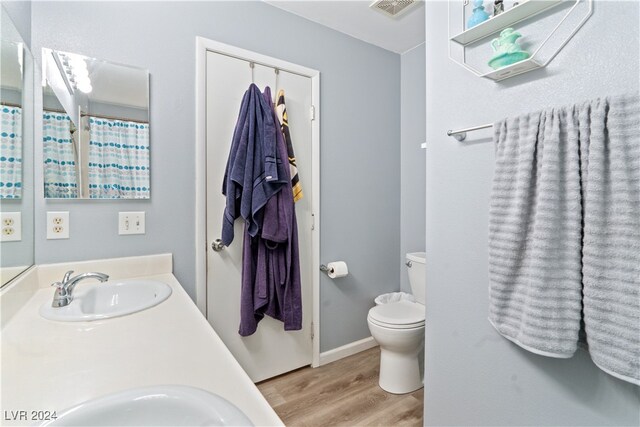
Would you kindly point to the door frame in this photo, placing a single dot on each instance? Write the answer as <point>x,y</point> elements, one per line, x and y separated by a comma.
<point>204,45</point>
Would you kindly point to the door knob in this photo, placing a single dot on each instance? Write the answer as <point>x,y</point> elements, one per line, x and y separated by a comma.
<point>217,245</point>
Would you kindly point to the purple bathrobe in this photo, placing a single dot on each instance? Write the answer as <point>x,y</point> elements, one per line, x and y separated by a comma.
<point>254,173</point>
<point>271,260</point>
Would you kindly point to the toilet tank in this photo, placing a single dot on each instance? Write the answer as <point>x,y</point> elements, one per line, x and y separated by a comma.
<point>417,274</point>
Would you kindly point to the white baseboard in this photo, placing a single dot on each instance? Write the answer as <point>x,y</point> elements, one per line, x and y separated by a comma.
<point>347,350</point>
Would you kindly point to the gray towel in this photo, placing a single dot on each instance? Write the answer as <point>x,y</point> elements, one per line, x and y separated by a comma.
<point>611,248</point>
<point>535,232</point>
<point>555,171</point>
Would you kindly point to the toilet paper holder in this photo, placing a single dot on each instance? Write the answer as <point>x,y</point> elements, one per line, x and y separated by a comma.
<point>335,269</point>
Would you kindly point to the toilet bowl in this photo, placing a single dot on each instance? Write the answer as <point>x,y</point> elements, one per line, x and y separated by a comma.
<point>398,328</point>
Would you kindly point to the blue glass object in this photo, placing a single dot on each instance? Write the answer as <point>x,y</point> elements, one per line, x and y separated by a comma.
<point>479,15</point>
<point>506,49</point>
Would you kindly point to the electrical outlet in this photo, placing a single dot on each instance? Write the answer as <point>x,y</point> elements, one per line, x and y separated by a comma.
<point>58,225</point>
<point>11,226</point>
<point>131,223</point>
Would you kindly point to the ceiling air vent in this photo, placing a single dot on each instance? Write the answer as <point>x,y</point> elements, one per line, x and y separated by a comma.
<point>393,8</point>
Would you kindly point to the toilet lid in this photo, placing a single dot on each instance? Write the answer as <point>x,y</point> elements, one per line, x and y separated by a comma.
<point>401,313</point>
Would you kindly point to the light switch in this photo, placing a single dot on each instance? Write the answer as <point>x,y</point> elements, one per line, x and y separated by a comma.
<point>131,223</point>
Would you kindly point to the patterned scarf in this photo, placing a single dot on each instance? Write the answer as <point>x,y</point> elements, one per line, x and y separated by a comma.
<point>284,126</point>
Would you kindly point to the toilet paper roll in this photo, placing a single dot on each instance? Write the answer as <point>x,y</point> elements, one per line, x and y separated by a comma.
<point>337,269</point>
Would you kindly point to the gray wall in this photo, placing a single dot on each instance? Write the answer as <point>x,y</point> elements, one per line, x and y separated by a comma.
<point>473,375</point>
<point>11,96</point>
<point>360,130</point>
<point>101,109</point>
<point>412,157</point>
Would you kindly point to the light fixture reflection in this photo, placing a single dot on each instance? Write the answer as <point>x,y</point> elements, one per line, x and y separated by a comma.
<point>77,72</point>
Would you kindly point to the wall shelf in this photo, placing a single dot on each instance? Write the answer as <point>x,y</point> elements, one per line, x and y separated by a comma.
<point>522,12</point>
<point>506,19</point>
<point>524,66</point>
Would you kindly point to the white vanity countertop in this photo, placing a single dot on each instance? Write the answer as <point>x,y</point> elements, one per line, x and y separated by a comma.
<point>50,366</point>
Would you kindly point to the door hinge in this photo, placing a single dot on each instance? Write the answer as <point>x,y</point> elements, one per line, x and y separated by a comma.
<point>313,221</point>
<point>312,112</point>
<point>312,334</point>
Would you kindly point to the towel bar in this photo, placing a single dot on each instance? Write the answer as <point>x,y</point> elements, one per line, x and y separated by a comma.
<point>461,134</point>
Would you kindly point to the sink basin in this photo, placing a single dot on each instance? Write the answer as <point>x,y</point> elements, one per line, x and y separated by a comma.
<point>109,299</point>
<point>154,406</point>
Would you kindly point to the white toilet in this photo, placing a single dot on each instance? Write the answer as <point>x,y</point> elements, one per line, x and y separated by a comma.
<point>398,328</point>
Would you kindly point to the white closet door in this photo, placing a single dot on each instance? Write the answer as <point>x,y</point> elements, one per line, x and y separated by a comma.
<point>270,351</point>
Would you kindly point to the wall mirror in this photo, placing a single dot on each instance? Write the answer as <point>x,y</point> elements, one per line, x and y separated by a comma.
<point>95,128</point>
<point>16,152</point>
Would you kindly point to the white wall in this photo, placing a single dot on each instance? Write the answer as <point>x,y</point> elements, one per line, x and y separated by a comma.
<point>360,130</point>
<point>20,13</point>
<point>412,157</point>
<point>473,375</point>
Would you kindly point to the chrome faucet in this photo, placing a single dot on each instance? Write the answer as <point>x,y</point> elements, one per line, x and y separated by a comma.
<point>64,290</point>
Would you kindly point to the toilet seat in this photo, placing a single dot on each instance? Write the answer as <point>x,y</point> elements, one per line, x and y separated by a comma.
<point>398,315</point>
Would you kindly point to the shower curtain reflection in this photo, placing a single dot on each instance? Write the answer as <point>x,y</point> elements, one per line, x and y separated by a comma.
<point>11,153</point>
<point>60,179</point>
<point>118,159</point>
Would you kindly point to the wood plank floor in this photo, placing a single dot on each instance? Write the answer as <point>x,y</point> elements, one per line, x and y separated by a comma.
<point>342,393</point>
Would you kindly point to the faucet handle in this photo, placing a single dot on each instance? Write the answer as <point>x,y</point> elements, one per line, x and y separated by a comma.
<point>58,285</point>
<point>67,276</point>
